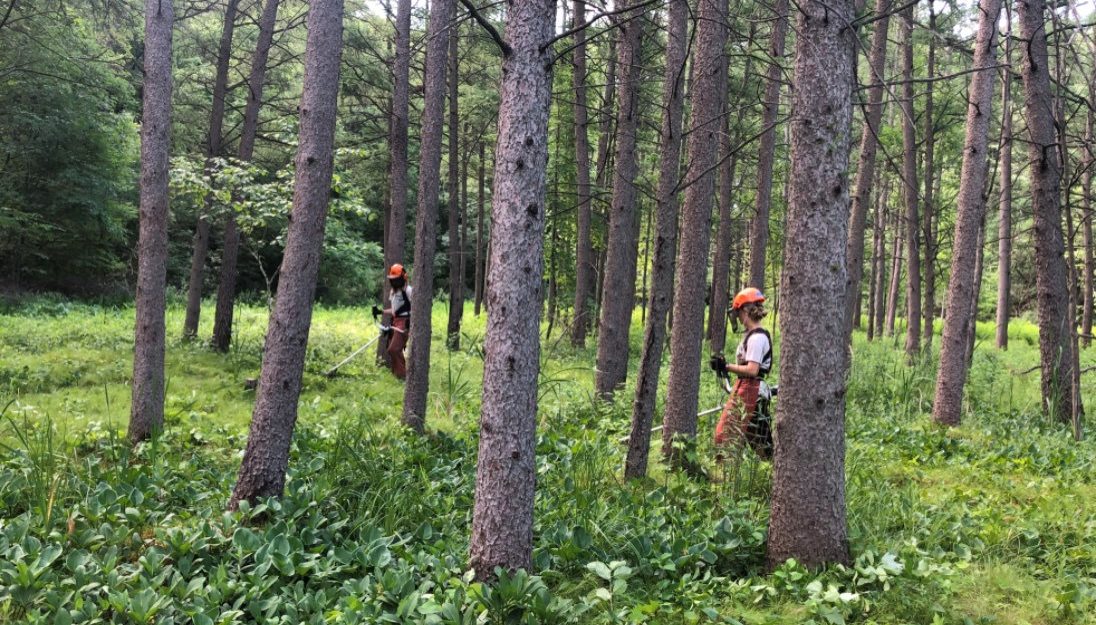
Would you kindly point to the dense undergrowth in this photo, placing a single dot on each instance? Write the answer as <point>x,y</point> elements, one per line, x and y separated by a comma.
<point>993,522</point>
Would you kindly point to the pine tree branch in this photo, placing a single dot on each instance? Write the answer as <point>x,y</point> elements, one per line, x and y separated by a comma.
<point>482,21</point>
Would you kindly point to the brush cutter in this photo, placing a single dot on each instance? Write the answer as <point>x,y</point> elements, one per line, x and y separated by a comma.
<point>382,330</point>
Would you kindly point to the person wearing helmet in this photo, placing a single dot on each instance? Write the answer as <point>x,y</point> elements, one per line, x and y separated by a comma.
<point>400,313</point>
<point>741,418</point>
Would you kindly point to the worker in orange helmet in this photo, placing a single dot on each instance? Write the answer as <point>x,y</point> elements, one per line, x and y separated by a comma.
<point>745,416</point>
<point>400,313</point>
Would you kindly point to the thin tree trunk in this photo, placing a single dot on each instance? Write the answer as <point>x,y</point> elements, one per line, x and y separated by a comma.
<point>665,244</point>
<point>708,88</point>
<point>395,240</point>
<point>962,288</point>
<point>200,248</point>
<point>605,125</point>
<point>808,496</point>
<point>896,276</point>
<point>879,259</point>
<point>584,252</point>
<point>979,266</point>
<point>910,189</point>
<point>456,281</point>
<point>146,417</point>
<point>502,518</point>
<point>928,310</point>
<point>1055,318</point>
<point>721,262</point>
<point>262,471</point>
<point>479,227</point>
<point>619,278</point>
<point>426,217</point>
<point>865,173</point>
<point>1086,225</point>
<point>230,253</point>
<point>1004,225</point>
<point>759,227</point>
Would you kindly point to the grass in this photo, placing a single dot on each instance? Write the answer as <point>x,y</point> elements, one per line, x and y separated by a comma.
<point>991,522</point>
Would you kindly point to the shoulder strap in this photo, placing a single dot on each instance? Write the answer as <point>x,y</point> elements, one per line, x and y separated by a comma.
<point>766,363</point>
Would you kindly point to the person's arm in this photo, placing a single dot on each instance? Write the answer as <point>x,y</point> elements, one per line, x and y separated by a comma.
<point>748,370</point>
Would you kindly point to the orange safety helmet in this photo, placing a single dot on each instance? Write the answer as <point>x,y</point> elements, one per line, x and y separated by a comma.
<point>747,296</point>
<point>396,271</point>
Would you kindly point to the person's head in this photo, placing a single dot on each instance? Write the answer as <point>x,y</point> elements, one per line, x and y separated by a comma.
<point>748,306</point>
<point>397,276</point>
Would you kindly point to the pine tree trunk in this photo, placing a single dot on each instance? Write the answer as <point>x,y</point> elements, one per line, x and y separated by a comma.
<point>426,216</point>
<point>975,295</point>
<point>808,497</point>
<point>146,417</point>
<point>883,196</point>
<point>1086,225</point>
<point>865,173</point>
<point>665,244</point>
<point>480,198</point>
<point>1004,224</point>
<point>456,281</point>
<point>708,89</point>
<point>502,518</point>
<point>910,190</point>
<point>213,150</point>
<point>1055,319</point>
<point>623,245</point>
<point>605,125</point>
<point>226,288</point>
<point>759,227</point>
<point>266,458</point>
<point>584,252</point>
<point>395,240</point>
<point>721,261</point>
<point>962,289</point>
<point>928,309</point>
<point>895,277</point>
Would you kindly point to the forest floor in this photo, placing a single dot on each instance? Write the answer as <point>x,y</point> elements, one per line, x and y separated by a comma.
<point>992,522</point>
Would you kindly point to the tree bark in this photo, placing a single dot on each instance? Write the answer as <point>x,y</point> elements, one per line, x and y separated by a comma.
<point>456,280</point>
<point>808,497</point>
<point>909,173</point>
<point>623,245</point>
<point>665,243</point>
<point>1055,318</point>
<point>721,261</point>
<point>895,277</point>
<point>262,472</point>
<point>230,252</point>
<point>928,310</point>
<point>962,289</point>
<point>584,252</point>
<point>759,227</point>
<point>1004,222</point>
<point>1086,226</point>
<point>146,417</point>
<point>395,240</point>
<point>502,517</point>
<point>879,259</point>
<point>213,150</point>
<point>479,228</point>
<point>426,217</point>
<point>865,173</point>
<point>708,89</point>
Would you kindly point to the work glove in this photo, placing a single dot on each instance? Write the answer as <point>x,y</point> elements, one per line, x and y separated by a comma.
<point>376,311</point>
<point>718,363</point>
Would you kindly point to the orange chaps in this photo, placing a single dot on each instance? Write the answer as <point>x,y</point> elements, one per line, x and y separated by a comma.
<point>739,421</point>
<point>396,342</point>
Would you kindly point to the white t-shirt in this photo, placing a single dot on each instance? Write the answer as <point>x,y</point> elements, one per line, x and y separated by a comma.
<point>755,351</point>
<point>397,298</point>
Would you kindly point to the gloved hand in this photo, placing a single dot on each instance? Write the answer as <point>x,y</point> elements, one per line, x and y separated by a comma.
<point>718,363</point>
<point>376,311</point>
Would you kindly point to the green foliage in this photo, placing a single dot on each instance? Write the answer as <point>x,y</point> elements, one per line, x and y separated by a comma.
<point>68,151</point>
<point>992,522</point>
